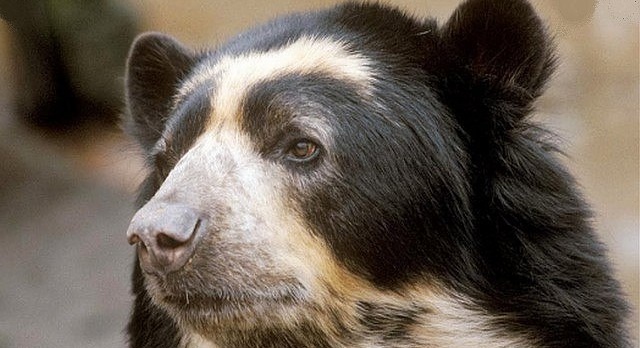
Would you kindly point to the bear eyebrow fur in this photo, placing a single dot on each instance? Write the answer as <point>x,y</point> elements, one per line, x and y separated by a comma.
<point>270,107</point>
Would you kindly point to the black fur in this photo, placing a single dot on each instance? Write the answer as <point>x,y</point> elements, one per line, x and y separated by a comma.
<point>461,187</point>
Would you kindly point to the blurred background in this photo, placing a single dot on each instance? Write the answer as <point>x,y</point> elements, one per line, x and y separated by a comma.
<point>68,176</point>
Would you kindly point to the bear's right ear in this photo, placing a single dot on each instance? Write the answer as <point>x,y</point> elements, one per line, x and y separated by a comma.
<point>157,63</point>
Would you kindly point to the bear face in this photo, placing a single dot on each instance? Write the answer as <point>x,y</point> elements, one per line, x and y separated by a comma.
<point>274,220</point>
<point>356,177</point>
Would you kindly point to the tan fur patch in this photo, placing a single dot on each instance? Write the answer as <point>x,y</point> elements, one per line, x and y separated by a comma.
<point>455,321</point>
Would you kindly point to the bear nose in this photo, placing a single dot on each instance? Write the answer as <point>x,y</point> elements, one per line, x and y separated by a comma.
<point>166,236</point>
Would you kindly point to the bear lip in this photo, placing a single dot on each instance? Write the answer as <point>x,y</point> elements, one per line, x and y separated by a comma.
<point>227,301</point>
<point>227,309</point>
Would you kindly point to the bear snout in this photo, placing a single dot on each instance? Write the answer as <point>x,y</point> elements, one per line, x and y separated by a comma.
<point>166,235</point>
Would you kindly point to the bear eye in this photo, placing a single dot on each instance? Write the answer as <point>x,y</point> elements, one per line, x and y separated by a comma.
<point>302,151</point>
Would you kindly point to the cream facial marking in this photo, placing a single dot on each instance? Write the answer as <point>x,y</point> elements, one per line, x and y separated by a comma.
<point>234,75</point>
<point>455,321</point>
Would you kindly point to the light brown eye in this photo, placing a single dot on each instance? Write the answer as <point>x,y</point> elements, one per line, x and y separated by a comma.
<point>303,150</point>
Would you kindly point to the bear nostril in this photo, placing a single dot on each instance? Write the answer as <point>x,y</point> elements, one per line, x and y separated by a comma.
<point>166,242</point>
<point>175,240</point>
<point>133,239</point>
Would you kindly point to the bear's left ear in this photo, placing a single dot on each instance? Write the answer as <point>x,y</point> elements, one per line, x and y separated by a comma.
<point>503,47</point>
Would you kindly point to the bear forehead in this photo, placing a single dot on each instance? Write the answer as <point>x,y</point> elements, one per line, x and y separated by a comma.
<point>231,78</point>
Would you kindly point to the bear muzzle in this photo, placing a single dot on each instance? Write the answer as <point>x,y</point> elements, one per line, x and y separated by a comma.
<point>166,235</point>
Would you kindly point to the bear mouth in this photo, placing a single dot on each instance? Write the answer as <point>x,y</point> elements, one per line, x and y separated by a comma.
<point>227,304</point>
<point>208,313</point>
<point>224,302</point>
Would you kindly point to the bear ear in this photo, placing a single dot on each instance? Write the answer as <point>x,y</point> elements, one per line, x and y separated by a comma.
<point>157,63</point>
<point>502,45</point>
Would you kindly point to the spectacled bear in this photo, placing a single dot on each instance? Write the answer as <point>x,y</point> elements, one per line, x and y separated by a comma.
<point>357,177</point>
